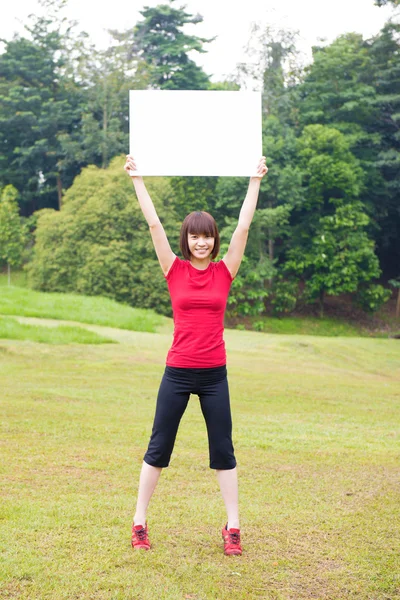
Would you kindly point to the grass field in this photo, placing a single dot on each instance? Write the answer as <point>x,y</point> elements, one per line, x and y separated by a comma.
<point>316,432</point>
<point>15,300</point>
<point>12,329</point>
<point>18,299</point>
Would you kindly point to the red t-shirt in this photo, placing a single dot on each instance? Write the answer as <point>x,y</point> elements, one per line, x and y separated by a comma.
<point>198,300</point>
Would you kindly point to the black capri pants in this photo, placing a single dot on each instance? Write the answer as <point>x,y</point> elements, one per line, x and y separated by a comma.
<point>211,385</point>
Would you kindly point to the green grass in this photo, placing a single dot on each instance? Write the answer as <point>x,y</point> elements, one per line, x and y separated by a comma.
<point>72,307</point>
<point>11,329</point>
<point>18,279</point>
<point>316,433</point>
<point>308,326</point>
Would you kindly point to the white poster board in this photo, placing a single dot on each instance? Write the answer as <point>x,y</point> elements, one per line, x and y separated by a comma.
<point>190,132</point>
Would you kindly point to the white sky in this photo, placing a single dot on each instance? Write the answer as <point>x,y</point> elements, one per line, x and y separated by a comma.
<point>229,20</point>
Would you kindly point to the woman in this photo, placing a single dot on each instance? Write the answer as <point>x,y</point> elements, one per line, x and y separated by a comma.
<point>196,361</point>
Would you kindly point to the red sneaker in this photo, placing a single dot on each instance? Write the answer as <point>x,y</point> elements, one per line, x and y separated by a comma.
<point>140,537</point>
<point>231,539</point>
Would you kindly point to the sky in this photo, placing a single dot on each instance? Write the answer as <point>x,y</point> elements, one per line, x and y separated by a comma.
<point>230,21</point>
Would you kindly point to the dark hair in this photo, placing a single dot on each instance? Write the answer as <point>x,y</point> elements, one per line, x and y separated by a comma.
<point>199,223</point>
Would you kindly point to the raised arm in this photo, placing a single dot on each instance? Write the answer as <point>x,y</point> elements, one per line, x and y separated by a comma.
<point>234,256</point>
<point>161,244</point>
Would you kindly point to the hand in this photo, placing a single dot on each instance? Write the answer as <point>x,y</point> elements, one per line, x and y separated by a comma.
<point>130,165</point>
<point>262,168</point>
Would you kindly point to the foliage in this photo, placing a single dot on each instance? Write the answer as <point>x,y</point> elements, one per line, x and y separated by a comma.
<point>99,244</point>
<point>160,41</point>
<point>385,50</point>
<point>249,290</point>
<point>38,103</point>
<point>370,298</point>
<point>340,257</point>
<point>284,295</point>
<point>330,134</point>
<point>272,66</point>
<point>280,192</point>
<point>353,85</point>
<point>12,230</point>
<point>108,75</point>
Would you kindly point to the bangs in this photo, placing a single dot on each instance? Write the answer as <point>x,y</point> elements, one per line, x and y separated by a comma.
<point>198,223</point>
<point>201,223</point>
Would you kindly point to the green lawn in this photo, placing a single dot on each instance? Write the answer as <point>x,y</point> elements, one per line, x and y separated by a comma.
<point>11,329</point>
<point>316,424</point>
<point>22,301</point>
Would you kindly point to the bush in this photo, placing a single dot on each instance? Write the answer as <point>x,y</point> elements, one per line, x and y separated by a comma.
<point>372,297</point>
<point>284,297</point>
<point>99,244</point>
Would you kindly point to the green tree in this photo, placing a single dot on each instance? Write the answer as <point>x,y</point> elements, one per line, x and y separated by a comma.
<point>160,41</point>
<point>353,85</point>
<point>12,232</point>
<point>106,77</point>
<point>330,250</point>
<point>337,87</point>
<point>339,259</point>
<point>385,50</point>
<point>99,243</point>
<point>338,91</point>
<point>40,100</point>
<point>280,191</point>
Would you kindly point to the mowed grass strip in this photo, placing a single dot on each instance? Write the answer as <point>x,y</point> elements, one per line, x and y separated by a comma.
<point>11,329</point>
<point>25,302</point>
<point>316,426</point>
<point>310,326</point>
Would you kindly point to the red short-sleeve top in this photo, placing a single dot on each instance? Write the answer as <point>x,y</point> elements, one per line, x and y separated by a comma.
<point>198,299</point>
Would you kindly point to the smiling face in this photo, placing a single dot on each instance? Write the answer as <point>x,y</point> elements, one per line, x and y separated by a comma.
<point>200,245</point>
<point>199,238</point>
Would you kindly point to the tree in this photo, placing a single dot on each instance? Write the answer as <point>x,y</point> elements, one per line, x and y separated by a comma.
<point>385,50</point>
<point>160,41</point>
<point>39,101</point>
<point>12,233</point>
<point>339,259</point>
<point>330,250</point>
<point>353,85</point>
<point>99,243</point>
<point>395,283</point>
<point>280,191</point>
<point>273,66</point>
<point>106,77</point>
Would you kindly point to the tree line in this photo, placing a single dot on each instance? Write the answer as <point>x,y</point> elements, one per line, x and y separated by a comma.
<point>328,218</point>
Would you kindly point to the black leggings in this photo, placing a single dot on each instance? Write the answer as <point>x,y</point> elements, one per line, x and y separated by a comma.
<point>211,385</point>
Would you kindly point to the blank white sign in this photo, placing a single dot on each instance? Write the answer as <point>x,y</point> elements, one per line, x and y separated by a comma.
<point>190,132</point>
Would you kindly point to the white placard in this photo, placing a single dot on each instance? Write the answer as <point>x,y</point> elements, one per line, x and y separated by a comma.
<point>191,132</point>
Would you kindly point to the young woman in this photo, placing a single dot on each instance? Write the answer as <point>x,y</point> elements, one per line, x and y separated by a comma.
<point>196,361</point>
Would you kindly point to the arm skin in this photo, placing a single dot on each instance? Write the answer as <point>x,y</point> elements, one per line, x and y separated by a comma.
<point>161,244</point>
<point>234,256</point>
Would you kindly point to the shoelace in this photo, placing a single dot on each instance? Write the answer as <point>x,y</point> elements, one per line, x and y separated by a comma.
<point>234,538</point>
<point>141,534</point>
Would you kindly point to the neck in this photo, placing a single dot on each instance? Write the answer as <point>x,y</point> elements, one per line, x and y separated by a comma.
<point>200,264</point>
